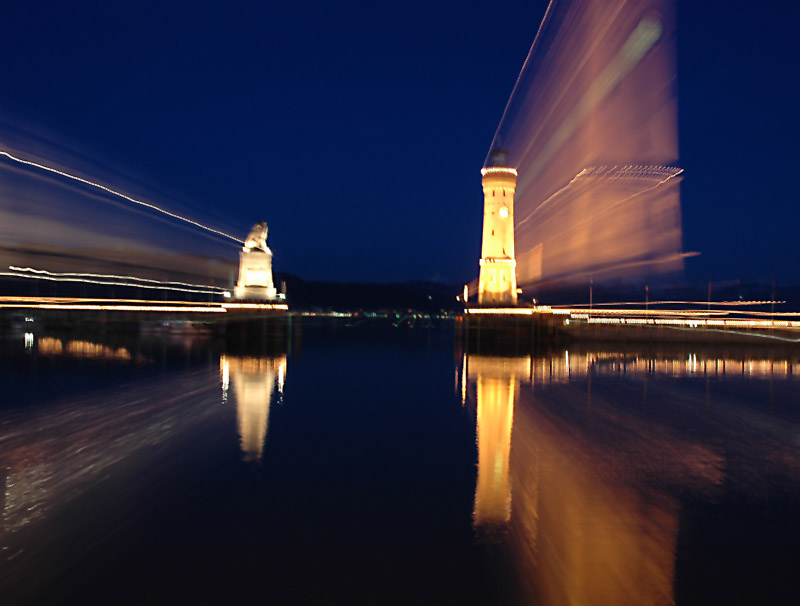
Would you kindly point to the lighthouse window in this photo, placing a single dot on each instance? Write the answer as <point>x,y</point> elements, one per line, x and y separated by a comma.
<point>493,192</point>
<point>504,192</point>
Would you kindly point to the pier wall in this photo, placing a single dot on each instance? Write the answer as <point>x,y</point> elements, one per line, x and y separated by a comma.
<point>520,332</point>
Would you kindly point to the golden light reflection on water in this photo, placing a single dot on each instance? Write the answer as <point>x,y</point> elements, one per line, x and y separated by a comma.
<point>254,380</point>
<point>497,385</point>
<point>52,456</point>
<point>565,366</point>
<point>583,525</point>
<point>589,536</point>
<point>81,349</point>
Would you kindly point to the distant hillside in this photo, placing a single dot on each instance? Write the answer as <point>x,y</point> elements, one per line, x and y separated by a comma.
<point>417,295</point>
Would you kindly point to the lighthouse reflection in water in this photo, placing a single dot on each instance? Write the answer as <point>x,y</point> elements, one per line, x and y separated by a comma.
<point>581,525</point>
<point>252,381</point>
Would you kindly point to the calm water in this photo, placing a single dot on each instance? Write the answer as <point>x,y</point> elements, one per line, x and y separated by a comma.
<point>371,466</point>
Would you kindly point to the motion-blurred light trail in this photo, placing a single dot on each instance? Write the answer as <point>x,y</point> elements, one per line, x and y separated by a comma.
<point>44,272</point>
<point>126,305</point>
<point>652,303</point>
<point>55,278</point>
<point>113,307</point>
<point>640,41</point>
<point>591,126</point>
<point>118,194</point>
<point>516,83</point>
<point>613,173</point>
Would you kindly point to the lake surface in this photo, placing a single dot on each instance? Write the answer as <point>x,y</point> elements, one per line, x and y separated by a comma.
<point>371,465</point>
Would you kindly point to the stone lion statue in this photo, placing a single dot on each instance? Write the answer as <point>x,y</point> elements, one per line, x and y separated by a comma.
<point>257,237</point>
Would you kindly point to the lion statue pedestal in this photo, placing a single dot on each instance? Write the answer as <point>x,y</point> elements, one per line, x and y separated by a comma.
<point>255,268</point>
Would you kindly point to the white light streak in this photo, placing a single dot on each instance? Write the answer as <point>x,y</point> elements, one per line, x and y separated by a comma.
<point>670,171</point>
<point>519,77</point>
<point>65,300</point>
<point>132,305</point>
<point>559,101</point>
<point>57,278</point>
<point>112,276</point>
<point>585,220</point>
<point>118,194</point>
<point>110,307</point>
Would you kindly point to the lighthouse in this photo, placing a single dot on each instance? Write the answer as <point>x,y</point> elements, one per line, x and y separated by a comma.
<point>497,285</point>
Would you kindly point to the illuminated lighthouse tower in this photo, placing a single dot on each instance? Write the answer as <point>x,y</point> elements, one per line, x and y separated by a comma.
<point>497,285</point>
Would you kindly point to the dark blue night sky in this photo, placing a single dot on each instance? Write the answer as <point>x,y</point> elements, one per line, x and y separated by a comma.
<point>358,129</point>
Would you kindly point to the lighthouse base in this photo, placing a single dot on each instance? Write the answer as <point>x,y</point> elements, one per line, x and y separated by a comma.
<point>497,285</point>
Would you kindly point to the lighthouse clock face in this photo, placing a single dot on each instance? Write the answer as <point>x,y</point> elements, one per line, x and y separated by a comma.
<point>504,212</point>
